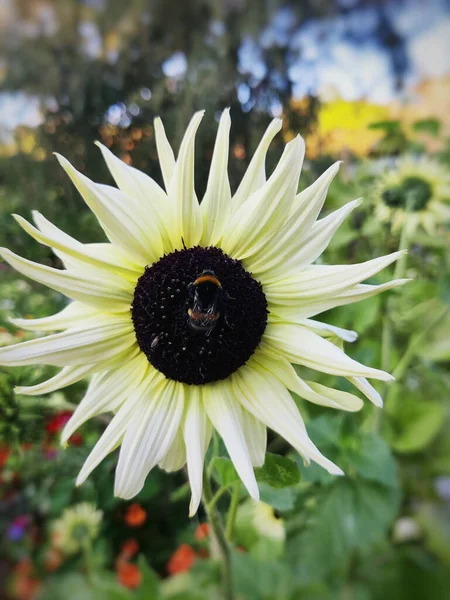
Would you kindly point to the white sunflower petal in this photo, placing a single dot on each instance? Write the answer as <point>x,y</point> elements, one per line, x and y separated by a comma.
<point>216,203</point>
<point>107,293</point>
<point>268,400</point>
<point>367,389</point>
<point>85,254</point>
<point>103,251</point>
<point>308,204</point>
<point>306,249</point>
<point>175,458</point>
<point>106,392</point>
<point>226,416</point>
<point>317,281</point>
<point>197,435</point>
<point>165,152</point>
<point>302,346</point>
<point>321,395</point>
<point>67,376</point>
<point>326,396</point>
<point>356,294</point>
<point>305,209</point>
<point>113,434</point>
<point>255,175</point>
<point>73,347</point>
<point>149,436</point>
<point>255,433</point>
<point>121,217</point>
<point>136,184</point>
<point>72,315</point>
<point>189,221</point>
<point>257,221</point>
<point>326,329</point>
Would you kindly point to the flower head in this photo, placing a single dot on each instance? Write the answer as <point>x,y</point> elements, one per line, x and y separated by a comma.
<point>78,526</point>
<point>192,315</point>
<point>415,192</point>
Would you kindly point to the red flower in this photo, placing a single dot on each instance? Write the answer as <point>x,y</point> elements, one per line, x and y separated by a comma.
<point>129,548</point>
<point>135,516</point>
<point>202,532</point>
<point>58,421</point>
<point>182,559</point>
<point>128,575</point>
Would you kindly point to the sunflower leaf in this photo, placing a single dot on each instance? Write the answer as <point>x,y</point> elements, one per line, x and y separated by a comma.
<point>278,471</point>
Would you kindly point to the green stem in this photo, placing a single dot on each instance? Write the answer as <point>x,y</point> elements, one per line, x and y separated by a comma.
<point>414,344</point>
<point>219,534</point>
<point>386,334</point>
<point>217,496</point>
<point>232,510</point>
<point>400,267</point>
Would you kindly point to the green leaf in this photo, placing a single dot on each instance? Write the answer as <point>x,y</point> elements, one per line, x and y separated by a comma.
<point>419,423</point>
<point>282,500</point>
<point>349,516</point>
<point>278,471</point>
<point>149,587</point>
<point>225,470</point>
<point>373,460</point>
<point>431,126</point>
<point>261,580</point>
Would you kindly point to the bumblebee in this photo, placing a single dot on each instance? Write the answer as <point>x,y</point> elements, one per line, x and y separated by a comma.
<point>206,302</point>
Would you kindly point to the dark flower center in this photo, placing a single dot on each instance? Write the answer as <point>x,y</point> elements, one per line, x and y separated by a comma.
<point>198,315</point>
<point>413,194</point>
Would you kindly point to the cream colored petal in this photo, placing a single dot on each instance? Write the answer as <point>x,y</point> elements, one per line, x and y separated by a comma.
<point>269,401</point>
<point>175,458</point>
<point>317,281</point>
<point>304,251</point>
<point>105,252</point>
<point>107,391</point>
<point>326,396</point>
<point>302,346</point>
<point>325,329</point>
<point>197,435</point>
<point>154,203</point>
<point>72,315</point>
<point>107,293</point>
<point>149,436</point>
<point>84,254</point>
<point>225,413</point>
<point>216,204</point>
<point>321,395</point>
<point>308,204</point>
<point>305,209</point>
<point>73,347</point>
<point>67,376</point>
<point>121,217</point>
<point>355,294</point>
<point>165,152</point>
<point>113,434</point>
<point>258,220</point>
<point>188,224</point>
<point>255,175</point>
<point>367,389</point>
<point>255,433</point>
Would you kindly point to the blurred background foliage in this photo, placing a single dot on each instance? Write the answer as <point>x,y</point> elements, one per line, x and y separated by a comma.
<point>363,81</point>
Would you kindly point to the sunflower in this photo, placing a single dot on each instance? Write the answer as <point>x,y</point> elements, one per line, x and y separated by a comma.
<point>414,192</point>
<point>192,315</point>
<point>78,526</point>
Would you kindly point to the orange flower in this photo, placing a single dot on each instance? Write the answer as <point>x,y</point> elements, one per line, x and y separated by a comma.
<point>129,548</point>
<point>135,516</point>
<point>202,532</point>
<point>53,560</point>
<point>128,575</point>
<point>182,559</point>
